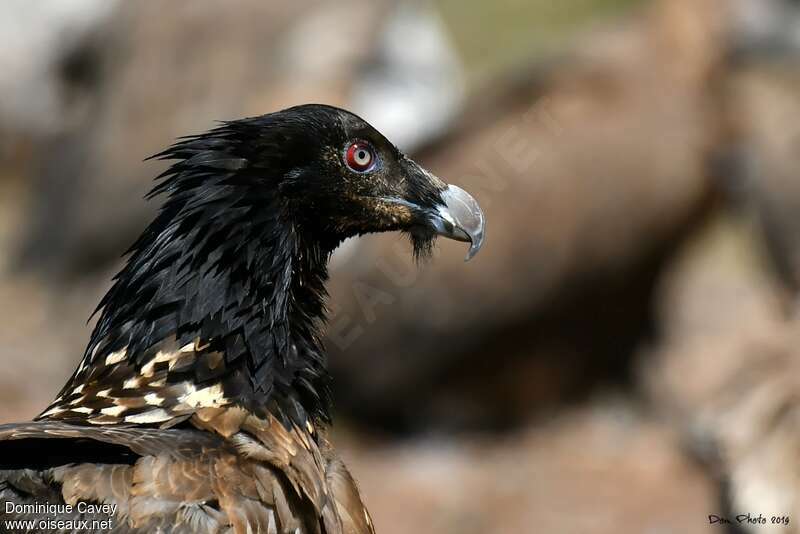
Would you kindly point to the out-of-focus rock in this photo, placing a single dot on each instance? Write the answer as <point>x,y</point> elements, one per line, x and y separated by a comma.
<point>39,335</point>
<point>765,28</point>
<point>588,178</point>
<point>762,98</point>
<point>725,366</point>
<point>726,370</point>
<point>166,70</point>
<point>36,41</point>
<point>413,87</point>
<point>603,470</point>
<point>755,94</point>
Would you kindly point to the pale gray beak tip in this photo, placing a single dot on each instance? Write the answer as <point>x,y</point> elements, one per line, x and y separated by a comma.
<point>477,243</point>
<point>461,218</point>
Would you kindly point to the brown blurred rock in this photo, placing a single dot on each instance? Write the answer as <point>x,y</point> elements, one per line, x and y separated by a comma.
<point>726,365</point>
<point>765,98</point>
<point>163,70</point>
<point>588,179</point>
<point>726,371</point>
<point>602,470</point>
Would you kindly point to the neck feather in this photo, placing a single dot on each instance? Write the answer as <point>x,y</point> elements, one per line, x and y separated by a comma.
<point>232,273</point>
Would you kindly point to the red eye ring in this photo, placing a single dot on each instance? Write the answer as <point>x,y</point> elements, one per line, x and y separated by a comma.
<point>360,156</point>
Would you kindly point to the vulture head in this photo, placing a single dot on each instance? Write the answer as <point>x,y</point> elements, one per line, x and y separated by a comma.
<point>232,269</point>
<point>330,175</point>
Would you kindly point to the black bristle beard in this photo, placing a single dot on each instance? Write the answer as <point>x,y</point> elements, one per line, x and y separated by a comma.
<point>422,242</point>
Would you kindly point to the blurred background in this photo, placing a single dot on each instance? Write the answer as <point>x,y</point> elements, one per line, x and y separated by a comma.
<point>623,355</point>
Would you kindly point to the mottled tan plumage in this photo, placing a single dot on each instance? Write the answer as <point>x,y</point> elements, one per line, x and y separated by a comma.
<point>239,474</point>
<point>114,390</point>
<point>225,470</point>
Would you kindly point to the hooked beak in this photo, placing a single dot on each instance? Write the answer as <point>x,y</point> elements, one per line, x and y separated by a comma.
<point>460,218</point>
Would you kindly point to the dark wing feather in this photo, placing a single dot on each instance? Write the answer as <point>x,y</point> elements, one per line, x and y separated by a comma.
<point>170,480</point>
<point>62,443</point>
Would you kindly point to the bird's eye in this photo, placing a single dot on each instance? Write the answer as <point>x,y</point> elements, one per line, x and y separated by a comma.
<point>360,156</point>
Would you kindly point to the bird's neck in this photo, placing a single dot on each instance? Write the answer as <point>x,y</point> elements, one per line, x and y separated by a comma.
<point>255,298</point>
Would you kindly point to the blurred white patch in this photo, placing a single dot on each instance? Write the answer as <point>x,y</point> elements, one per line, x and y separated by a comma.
<point>34,36</point>
<point>767,25</point>
<point>414,86</point>
<point>328,41</point>
<point>344,253</point>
